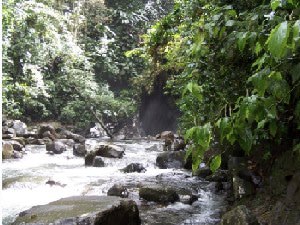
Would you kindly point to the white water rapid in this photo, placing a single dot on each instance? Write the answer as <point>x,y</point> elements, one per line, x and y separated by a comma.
<point>24,183</point>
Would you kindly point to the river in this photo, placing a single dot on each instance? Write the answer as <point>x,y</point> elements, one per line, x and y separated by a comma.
<point>24,183</point>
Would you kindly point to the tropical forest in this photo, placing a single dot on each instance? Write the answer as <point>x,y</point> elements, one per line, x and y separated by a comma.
<point>150,112</point>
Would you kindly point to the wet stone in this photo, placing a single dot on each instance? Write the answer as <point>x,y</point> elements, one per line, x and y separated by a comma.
<point>159,194</point>
<point>118,190</point>
<point>88,210</point>
<point>98,162</point>
<point>134,167</point>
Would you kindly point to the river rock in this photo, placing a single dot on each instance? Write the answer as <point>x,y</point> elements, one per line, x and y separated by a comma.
<point>110,151</point>
<point>218,176</point>
<point>34,141</point>
<point>172,159</point>
<point>98,162</point>
<point>89,159</point>
<point>7,151</point>
<point>78,138</point>
<point>134,167</point>
<point>56,147</point>
<point>242,188</point>
<point>47,141</point>
<point>45,128</point>
<point>16,145</point>
<point>47,134</point>
<point>179,144</point>
<point>8,130</point>
<point>240,215</point>
<point>187,196</point>
<point>167,135</point>
<point>21,140</point>
<point>17,155</point>
<point>79,150</point>
<point>20,127</point>
<point>118,190</point>
<point>202,172</point>
<point>88,210</point>
<point>68,142</point>
<point>159,194</point>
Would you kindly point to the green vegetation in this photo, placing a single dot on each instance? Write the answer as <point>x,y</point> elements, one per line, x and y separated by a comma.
<point>62,58</point>
<point>234,67</point>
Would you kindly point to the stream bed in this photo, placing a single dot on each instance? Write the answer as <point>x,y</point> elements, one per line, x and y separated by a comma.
<point>24,183</point>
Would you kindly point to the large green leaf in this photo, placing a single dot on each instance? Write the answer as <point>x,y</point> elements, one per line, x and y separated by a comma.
<point>242,40</point>
<point>194,89</point>
<point>225,127</point>
<point>215,163</point>
<point>277,42</point>
<point>275,4</point>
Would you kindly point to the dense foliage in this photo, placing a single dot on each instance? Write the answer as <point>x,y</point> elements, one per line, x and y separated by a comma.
<point>234,67</point>
<point>62,58</point>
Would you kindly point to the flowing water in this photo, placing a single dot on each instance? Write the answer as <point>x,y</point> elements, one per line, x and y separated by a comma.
<point>24,183</point>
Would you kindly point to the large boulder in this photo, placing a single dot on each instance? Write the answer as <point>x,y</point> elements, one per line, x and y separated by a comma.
<point>240,215</point>
<point>7,151</point>
<point>16,145</point>
<point>46,130</point>
<point>167,135</point>
<point>159,194</point>
<point>79,150</point>
<point>110,151</point>
<point>88,210</point>
<point>66,134</point>
<point>118,190</point>
<point>134,167</point>
<point>173,159</point>
<point>56,147</point>
<point>19,127</point>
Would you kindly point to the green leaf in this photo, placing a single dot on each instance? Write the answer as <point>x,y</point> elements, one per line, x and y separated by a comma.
<point>246,140</point>
<point>225,127</point>
<point>242,39</point>
<point>197,158</point>
<point>281,90</point>
<point>260,82</point>
<point>215,163</point>
<point>194,89</point>
<point>273,128</point>
<point>275,4</point>
<point>204,136</point>
<point>261,124</point>
<point>258,48</point>
<point>277,42</point>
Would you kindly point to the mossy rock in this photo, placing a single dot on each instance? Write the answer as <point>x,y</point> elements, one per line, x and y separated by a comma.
<point>88,210</point>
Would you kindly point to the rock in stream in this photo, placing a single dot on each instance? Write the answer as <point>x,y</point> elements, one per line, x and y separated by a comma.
<point>87,210</point>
